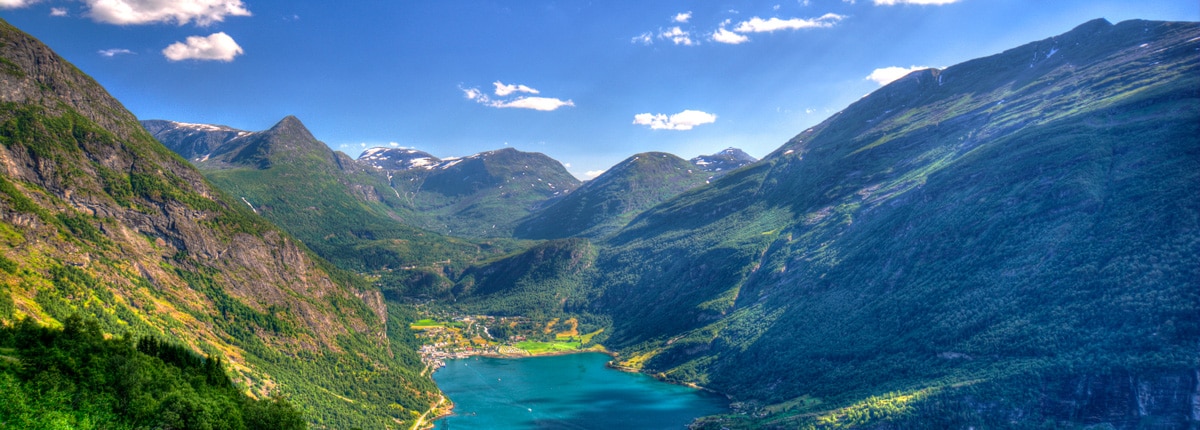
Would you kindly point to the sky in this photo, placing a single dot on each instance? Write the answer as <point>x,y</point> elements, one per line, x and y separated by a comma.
<point>588,83</point>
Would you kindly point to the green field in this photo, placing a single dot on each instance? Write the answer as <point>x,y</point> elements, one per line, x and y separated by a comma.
<point>536,348</point>
<point>426,323</point>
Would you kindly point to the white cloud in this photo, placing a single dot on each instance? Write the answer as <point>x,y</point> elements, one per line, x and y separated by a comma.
<point>678,36</point>
<point>114,52</point>
<point>921,2</point>
<point>217,46</point>
<point>685,120</point>
<point>125,12</point>
<point>15,4</point>
<point>58,11</point>
<point>725,36</point>
<point>886,75</point>
<point>644,38</point>
<point>759,25</point>
<point>682,17</point>
<point>504,90</point>
<point>776,7</point>
<point>593,173</point>
<point>474,94</point>
<point>535,103</point>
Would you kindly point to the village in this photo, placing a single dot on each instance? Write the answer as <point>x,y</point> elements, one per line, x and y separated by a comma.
<point>449,336</point>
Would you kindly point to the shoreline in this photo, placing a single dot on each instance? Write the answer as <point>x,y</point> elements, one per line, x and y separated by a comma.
<point>610,364</point>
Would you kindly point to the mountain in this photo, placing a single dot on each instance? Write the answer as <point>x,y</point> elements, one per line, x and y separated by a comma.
<point>480,196</point>
<point>397,158</point>
<point>1013,238</point>
<point>724,161</point>
<point>100,221</point>
<point>192,141</point>
<point>607,202</point>
<point>343,210</point>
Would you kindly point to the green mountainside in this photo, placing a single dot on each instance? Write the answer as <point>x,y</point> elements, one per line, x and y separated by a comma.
<point>961,246</point>
<point>342,210</point>
<point>483,195</point>
<point>144,384</point>
<point>100,221</point>
<point>604,204</point>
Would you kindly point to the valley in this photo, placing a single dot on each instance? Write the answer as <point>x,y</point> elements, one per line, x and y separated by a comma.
<point>1011,241</point>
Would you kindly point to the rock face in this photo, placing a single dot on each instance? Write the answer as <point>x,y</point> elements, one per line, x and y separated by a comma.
<point>98,218</point>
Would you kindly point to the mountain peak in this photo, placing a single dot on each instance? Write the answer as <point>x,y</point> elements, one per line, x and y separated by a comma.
<point>728,159</point>
<point>291,126</point>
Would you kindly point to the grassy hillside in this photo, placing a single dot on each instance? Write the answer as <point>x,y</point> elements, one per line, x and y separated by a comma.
<point>952,236</point>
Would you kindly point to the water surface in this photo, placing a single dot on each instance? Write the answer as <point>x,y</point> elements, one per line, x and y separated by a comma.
<point>564,392</point>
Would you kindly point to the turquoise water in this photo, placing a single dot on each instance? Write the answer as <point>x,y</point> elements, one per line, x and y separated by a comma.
<point>564,392</point>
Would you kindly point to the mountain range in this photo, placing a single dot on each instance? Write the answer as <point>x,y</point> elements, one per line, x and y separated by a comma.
<point>1013,241</point>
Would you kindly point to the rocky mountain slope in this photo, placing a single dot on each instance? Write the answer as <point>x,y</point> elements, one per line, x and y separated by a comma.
<point>1010,238</point>
<point>727,160</point>
<point>100,220</point>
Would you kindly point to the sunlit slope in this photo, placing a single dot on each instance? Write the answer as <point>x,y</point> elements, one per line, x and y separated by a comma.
<point>100,220</point>
<point>1028,213</point>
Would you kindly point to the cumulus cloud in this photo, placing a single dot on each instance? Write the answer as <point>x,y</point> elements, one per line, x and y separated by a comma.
<point>535,103</point>
<point>593,173</point>
<point>126,12</point>
<point>886,75</point>
<point>685,120</point>
<point>15,4</point>
<point>759,25</point>
<point>682,17</point>
<point>725,36</point>
<point>504,90</point>
<point>678,36</point>
<point>646,38</point>
<point>217,46</point>
<point>58,11</point>
<point>921,2</point>
<point>114,52</point>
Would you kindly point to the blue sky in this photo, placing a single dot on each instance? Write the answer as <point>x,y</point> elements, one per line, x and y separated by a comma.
<point>588,83</point>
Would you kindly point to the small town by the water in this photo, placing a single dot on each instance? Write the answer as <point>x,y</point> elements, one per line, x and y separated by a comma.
<point>448,336</point>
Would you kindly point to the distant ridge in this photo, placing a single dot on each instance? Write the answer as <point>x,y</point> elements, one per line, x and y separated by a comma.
<point>724,161</point>
<point>605,203</point>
